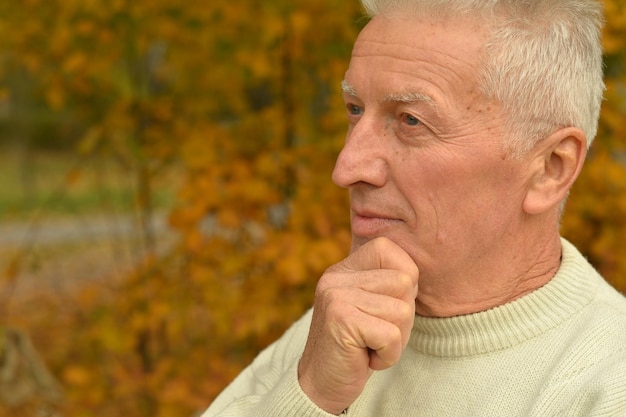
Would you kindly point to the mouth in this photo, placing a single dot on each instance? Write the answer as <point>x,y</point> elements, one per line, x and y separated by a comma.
<point>368,224</point>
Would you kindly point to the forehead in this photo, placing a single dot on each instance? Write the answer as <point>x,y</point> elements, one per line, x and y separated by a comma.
<point>396,54</point>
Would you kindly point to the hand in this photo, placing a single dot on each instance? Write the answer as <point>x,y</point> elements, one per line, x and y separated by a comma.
<point>362,318</point>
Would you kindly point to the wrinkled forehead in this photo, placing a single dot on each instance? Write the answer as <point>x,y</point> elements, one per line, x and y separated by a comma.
<point>464,36</point>
<point>443,51</point>
<point>406,58</point>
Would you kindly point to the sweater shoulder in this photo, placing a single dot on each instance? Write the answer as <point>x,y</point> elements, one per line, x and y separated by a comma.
<point>596,340</point>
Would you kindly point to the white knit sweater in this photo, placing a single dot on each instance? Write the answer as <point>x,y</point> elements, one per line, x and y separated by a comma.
<point>558,351</point>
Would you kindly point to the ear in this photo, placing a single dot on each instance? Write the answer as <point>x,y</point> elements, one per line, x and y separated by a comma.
<point>556,163</point>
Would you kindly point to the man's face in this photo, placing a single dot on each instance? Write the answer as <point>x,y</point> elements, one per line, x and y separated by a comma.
<point>424,160</point>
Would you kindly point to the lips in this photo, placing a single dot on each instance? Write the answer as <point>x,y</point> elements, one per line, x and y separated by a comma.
<point>369,224</point>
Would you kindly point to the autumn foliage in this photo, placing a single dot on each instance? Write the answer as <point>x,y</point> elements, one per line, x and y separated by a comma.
<point>244,97</point>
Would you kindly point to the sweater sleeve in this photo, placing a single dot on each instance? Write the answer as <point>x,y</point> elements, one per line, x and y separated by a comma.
<point>603,392</point>
<point>596,391</point>
<point>269,386</point>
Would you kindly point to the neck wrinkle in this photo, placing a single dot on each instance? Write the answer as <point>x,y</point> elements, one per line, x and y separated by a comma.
<point>474,294</point>
<point>571,289</point>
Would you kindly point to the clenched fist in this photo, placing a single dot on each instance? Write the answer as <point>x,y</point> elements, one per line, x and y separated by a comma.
<point>362,319</point>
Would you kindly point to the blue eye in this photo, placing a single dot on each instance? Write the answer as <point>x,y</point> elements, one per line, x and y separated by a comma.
<point>411,120</point>
<point>354,110</point>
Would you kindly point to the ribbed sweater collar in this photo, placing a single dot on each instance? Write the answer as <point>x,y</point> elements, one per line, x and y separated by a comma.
<point>569,291</point>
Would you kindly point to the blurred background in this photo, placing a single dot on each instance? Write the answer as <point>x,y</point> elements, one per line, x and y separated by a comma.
<point>165,197</point>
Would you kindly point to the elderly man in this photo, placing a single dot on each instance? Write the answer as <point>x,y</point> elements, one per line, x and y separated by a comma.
<point>469,121</point>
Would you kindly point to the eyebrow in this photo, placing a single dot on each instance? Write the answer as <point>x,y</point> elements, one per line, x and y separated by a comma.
<point>348,89</point>
<point>404,97</point>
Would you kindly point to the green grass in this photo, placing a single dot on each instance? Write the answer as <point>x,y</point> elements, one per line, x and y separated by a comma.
<point>61,184</point>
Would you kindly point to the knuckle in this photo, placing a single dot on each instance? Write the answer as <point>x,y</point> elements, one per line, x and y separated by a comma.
<point>405,311</point>
<point>394,344</point>
<point>324,295</point>
<point>325,283</point>
<point>321,288</point>
<point>394,335</point>
<point>405,281</point>
<point>330,302</point>
<point>405,287</point>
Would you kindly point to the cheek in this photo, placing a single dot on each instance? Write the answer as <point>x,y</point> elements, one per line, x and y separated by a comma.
<point>453,194</point>
<point>432,190</point>
<point>436,180</point>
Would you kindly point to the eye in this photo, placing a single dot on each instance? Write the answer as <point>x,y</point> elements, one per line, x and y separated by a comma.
<point>354,110</point>
<point>411,120</point>
<point>411,129</point>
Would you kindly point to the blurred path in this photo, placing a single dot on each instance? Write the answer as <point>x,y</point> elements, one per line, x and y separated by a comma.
<point>57,255</point>
<point>79,229</point>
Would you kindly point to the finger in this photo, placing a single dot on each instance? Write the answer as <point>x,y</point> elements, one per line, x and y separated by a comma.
<point>393,283</point>
<point>382,339</point>
<point>379,253</point>
<point>392,311</point>
<point>400,313</point>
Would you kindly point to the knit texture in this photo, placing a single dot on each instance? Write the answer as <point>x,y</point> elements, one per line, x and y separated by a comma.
<point>558,351</point>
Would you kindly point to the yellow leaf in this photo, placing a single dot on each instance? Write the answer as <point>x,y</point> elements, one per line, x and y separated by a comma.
<point>76,375</point>
<point>75,62</point>
<point>229,218</point>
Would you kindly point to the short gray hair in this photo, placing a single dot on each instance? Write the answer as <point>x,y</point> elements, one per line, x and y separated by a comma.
<point>542,61</point>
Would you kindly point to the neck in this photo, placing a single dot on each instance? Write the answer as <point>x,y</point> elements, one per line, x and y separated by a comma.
<point>508,273</point>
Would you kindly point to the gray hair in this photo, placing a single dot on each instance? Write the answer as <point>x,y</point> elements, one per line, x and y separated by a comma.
<point>542,62</point>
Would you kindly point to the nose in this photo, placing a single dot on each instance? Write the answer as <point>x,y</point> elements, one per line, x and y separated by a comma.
<point>362,159</point>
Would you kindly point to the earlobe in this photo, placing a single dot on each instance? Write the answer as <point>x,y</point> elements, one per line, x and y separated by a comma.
<point>557,162</point>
